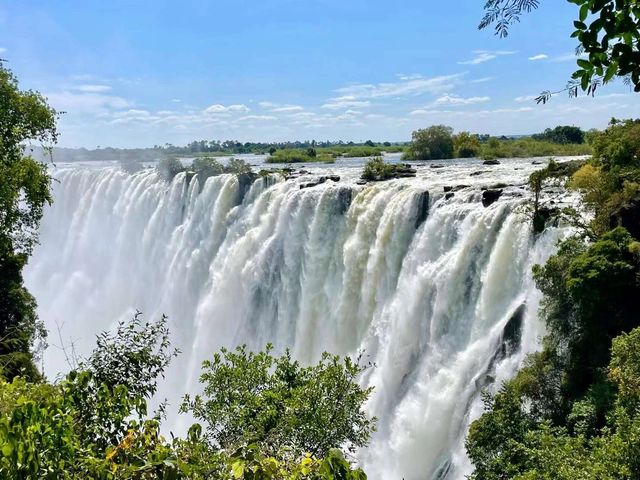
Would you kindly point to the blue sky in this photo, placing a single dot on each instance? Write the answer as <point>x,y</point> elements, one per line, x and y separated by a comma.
<point>138,73</point>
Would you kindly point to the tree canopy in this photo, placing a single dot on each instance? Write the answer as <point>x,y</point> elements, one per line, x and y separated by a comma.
<point>24,191</point>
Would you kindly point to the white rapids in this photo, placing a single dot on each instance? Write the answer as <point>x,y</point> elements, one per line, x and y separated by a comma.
<point>436,292</point>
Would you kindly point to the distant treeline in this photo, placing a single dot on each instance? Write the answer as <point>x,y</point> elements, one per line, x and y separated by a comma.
<point>435,142</point>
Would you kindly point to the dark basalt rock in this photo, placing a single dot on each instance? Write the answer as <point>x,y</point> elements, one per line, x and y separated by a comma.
<point>361,182</point>
<point>537,162</point>
<point>320,180</point>
<point>496,186</point>
<point>436,166</point>
<point>541,217</point>
<point>245,180</point>
<point>491,162</point>
<point>422,206</point>
<point>345,197</point>
<point>628,217</point>
<point>512,333</point>
<point>449,188</point>
<point>479,172</point>
<point>490,196</point>
<point>449,195</point>
<point>313,183</point>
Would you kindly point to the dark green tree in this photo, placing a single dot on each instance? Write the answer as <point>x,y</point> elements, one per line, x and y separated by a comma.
<point>435,142</point>
<point>256,398</point>
<point>25,185</point>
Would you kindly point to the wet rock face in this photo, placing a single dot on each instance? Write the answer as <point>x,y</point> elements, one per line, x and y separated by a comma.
<point>422,208</point>
<point>319,180</point>
<point>490,196</point>
<point>628,217</point>
<point>454,188</point>
<point>542,216</point>
<point>491,162</point>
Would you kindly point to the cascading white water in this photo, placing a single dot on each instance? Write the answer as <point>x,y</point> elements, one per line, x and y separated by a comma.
<point>435,291</point>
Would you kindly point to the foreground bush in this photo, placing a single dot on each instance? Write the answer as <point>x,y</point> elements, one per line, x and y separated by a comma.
<point>265,417</point>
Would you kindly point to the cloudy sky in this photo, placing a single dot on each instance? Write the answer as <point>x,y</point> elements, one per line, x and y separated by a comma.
<point>148,72</point>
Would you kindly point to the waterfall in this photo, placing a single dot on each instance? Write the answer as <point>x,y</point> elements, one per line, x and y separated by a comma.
<point>435,291</point>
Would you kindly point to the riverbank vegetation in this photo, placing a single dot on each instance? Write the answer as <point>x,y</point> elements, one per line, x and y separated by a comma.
<point>573,410</point>
<point>438,142</point>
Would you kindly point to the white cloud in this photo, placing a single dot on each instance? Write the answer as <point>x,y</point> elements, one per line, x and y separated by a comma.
<point>247,118</point>
<point>176,100</point>
<point>412,86</point>
<point>92,103</point>
<point>282,108</point>
<point>218,108</point>
<point>568,57</point>
<point>3,50</point>
<point>288,108</point>
<point>482,56</point>
<point>540,56</point>
<point>481,80</point>
<point>469,113</point>
<point>413,76</point>
<point>345,101</point>
<point>525,98</point>
<point>93,88</point>
<point>456,100</point>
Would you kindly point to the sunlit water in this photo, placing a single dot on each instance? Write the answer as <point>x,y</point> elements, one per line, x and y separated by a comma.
<point>436,292</point>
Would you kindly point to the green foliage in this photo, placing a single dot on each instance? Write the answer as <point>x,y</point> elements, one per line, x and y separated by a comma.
<point>377,170</point>
<point>610,182</point>
<point>509,442</point>
<point>255,398</point>
<point>94,423</point>
<point>205,167</point>
<point>589,297</point>
<point>529,148</point>
<point>299,156</point>
<point>561,134</point>
<point>607,31</point>
<point>169,167</point>
<point>24,190</point>
<point>573,410</point>
<point>435,142</point>
<point>466,145</point>
<point>238,166</point>
<point>619,145</point>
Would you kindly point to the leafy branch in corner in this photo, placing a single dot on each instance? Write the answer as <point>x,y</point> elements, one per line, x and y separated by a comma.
<point>608,34</point>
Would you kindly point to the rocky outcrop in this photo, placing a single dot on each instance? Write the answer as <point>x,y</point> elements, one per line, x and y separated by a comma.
<point>541,217</point>
<point>454,188</point>
<point>422,208</point>
<point>491,162</point>
<point>490,196</point>
<point>320,180</point>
